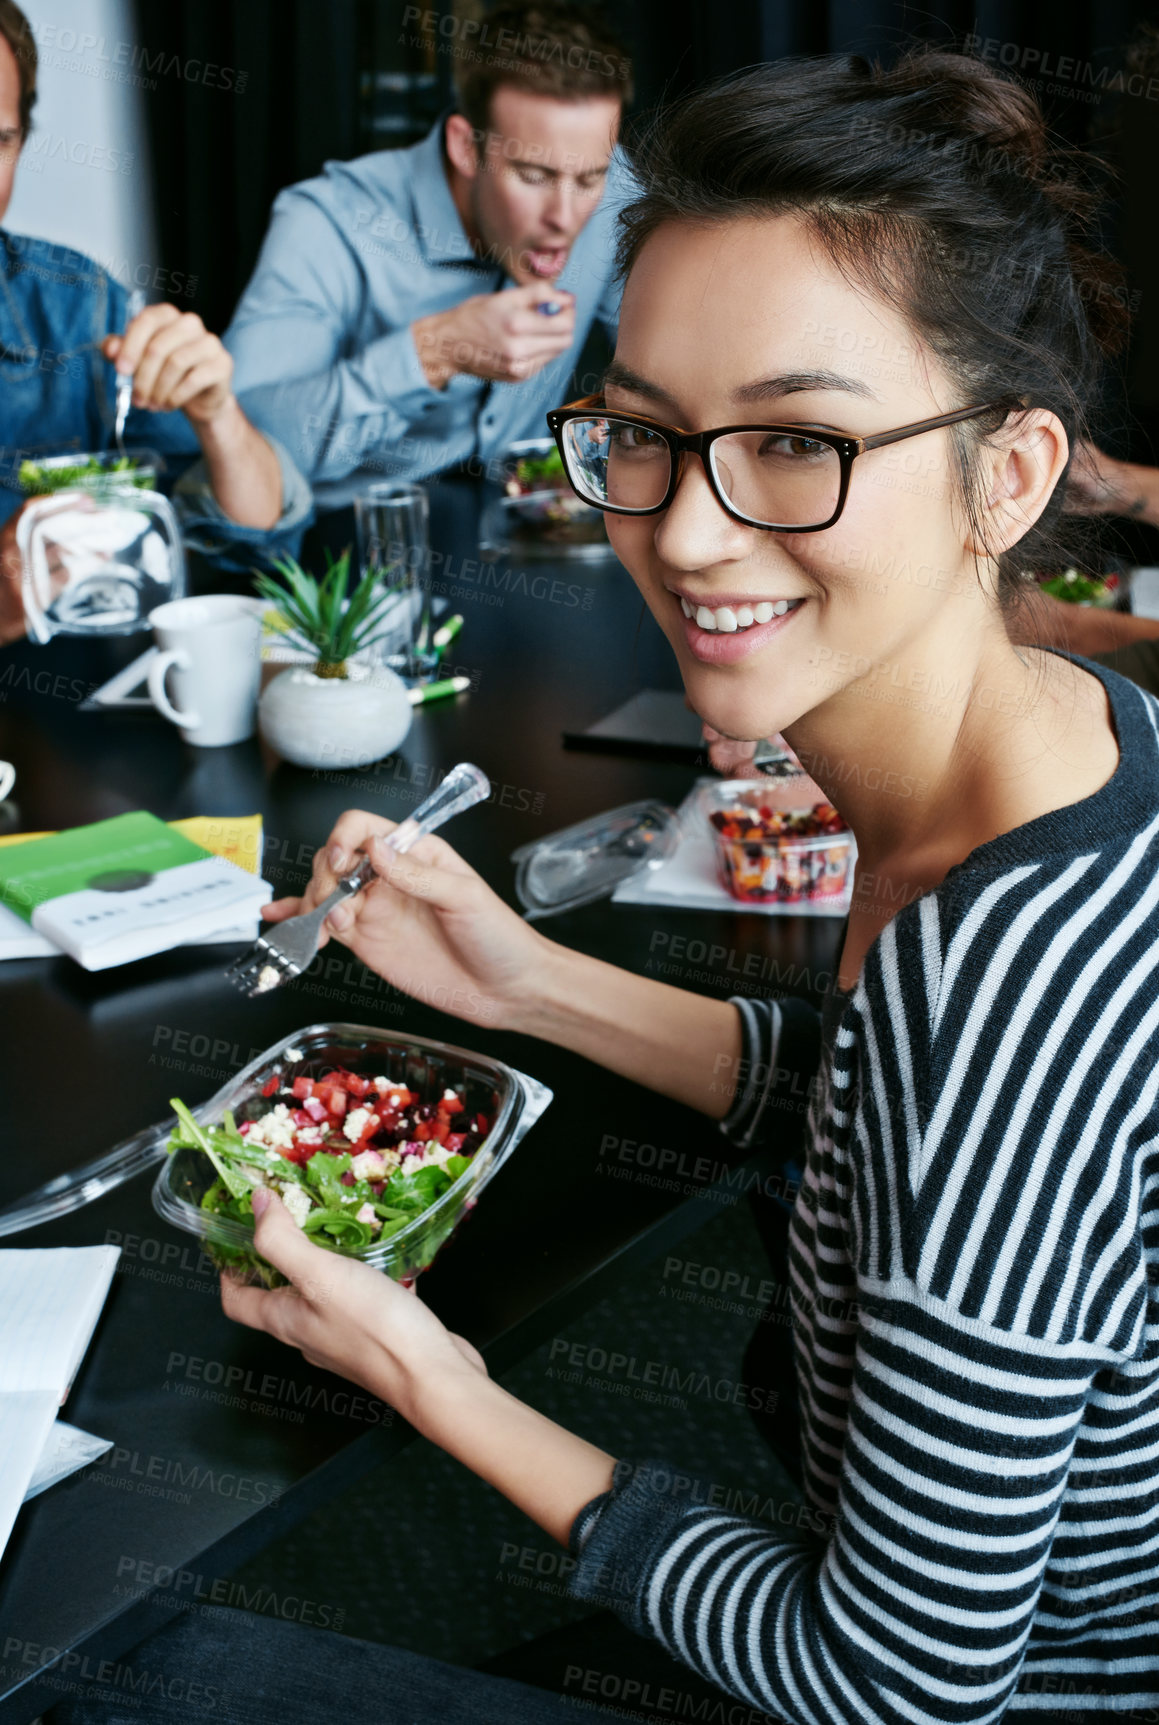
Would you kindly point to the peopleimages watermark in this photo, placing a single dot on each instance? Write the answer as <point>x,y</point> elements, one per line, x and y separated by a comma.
<point>191,1590</point>
<point>199,1376</point>
<point>624,1374</point>
<point>67,1672</point>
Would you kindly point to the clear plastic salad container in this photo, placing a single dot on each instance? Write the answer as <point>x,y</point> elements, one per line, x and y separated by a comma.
<point>807,861</point>
<point>511,1100</point>
<point>97,555</point>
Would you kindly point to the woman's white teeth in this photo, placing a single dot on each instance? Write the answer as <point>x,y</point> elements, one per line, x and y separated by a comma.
<point>726,621</point>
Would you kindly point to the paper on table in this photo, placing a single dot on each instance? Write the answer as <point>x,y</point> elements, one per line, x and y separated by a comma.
<point>50,1300</point>
<point>26,1418</point>
<point>66,1448</point>
<point>688,879</point>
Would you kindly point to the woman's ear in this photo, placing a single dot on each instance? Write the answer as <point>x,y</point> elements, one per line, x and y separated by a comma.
<point>1023,463</point>
<point>462,153</point>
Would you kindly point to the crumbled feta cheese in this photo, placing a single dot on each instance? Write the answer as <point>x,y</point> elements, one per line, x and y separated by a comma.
<point>292,1054</point>
<point>275,1129</point>
<point>382,1085</point>
<point>366,1213</point>
<point>309,1135</point>
<point>367,1165</point>
<point>355,1121</point>
<point>437,1155</point>
<point>450,1096</point>
<point>297,1202</point>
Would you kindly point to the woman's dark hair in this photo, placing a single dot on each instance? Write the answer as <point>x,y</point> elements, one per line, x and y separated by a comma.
<point>935,183</point>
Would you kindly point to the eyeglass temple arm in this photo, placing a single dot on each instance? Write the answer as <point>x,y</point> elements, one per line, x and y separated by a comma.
<point>955,418</point>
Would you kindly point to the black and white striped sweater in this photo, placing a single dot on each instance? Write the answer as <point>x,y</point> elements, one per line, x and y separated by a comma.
<point>975,1265</point>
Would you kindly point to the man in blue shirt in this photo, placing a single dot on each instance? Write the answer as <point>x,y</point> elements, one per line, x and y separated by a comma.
<point>415,309</point>
<point>65,335</point>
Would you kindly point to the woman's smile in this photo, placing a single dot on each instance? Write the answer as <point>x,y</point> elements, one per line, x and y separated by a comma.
<point>721,630</point>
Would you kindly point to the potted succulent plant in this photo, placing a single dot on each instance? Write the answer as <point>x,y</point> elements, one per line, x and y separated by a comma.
<point>343,711</point>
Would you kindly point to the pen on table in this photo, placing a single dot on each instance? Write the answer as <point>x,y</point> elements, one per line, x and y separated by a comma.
<point>425,692</point>
<point>446,632</point>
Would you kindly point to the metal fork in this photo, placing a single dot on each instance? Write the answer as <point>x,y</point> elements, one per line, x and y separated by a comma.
<point>134,308</point>
<point>289,947</point>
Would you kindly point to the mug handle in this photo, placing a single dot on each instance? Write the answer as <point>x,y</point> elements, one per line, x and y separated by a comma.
<point>7,778</point>
<point>156,680</point>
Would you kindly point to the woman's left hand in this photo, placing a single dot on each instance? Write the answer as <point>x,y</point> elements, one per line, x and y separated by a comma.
<point>345,1316</point>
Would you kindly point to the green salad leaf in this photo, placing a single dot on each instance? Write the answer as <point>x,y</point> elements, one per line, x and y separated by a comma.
<point>39,479</point>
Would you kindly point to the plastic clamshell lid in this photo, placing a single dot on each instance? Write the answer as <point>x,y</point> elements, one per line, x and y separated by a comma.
<point>525,1100</point>
<point>588,861</point>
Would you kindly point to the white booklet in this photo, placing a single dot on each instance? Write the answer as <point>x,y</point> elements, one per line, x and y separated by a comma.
<point>50,1300</point>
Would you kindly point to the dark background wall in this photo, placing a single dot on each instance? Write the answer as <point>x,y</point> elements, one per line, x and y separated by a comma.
<point>301,81</point>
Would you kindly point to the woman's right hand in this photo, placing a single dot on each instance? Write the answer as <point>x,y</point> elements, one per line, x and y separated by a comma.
<point>429,924</point>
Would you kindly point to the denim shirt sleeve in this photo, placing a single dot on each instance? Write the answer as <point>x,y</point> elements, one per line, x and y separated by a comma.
<point>206,527</point>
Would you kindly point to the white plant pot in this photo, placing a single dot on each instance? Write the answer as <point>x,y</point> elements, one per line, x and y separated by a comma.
<point>334,722</point>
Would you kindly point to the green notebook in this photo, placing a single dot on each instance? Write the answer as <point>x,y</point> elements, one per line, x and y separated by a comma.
<point>123,888</point>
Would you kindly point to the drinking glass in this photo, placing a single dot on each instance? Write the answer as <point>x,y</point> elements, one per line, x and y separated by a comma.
<point>392,519</point>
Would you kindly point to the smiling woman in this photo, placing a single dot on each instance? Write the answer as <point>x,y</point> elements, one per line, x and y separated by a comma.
<point>825,537</point>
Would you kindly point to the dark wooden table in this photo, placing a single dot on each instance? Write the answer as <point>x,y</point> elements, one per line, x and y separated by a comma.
<point>224,1438</point>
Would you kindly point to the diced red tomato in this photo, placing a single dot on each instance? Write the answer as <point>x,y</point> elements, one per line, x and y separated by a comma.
<point>303,1087</point>
<point>425,1130</point>
<point>354,1085</point>
<point>388,1117</point>
<point>451,1105</point>
<point>293,1152</point>
<point>270,1085</point>
<point>482,1123</point>
<point>455,1142</point>
<point>300,1117</point>
<point>333,1097</point>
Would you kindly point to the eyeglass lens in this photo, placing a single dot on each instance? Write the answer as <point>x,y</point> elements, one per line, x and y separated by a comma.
<point>781,478</point>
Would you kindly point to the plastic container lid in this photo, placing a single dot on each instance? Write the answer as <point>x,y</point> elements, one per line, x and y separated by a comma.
<point>589,860</point>
<point>522,1100</point>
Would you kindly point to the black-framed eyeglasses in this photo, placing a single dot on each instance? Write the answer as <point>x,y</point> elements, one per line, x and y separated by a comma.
<point>784,478</point>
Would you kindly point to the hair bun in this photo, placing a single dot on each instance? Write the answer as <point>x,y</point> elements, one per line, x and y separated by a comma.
<point>976,101</point>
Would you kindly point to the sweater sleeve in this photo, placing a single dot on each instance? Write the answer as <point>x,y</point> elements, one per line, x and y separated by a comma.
<point>918,1607</point>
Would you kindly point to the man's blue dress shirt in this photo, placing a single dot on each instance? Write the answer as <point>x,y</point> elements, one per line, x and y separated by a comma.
<point>325,359</point>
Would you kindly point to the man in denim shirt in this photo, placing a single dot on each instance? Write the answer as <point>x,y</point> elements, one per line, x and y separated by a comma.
<point>63,337</point>
<point>416,309</point>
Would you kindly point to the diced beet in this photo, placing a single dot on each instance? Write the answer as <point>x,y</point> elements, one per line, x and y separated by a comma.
<point>455,1141</point>
<point>314,1110</point>
<point>245,1126</point>
<point>347,1179</point>
<point>303,1087</point>
<point>376,1186</point>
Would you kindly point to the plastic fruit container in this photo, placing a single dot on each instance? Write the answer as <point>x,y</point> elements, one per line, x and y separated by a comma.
<point>806,861</point>
<point>512,1100</point>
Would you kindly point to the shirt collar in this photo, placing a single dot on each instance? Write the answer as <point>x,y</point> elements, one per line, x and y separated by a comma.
<point>438,225</point>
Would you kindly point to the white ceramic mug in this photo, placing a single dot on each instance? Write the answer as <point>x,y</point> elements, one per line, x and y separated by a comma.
<point>211,646</point>
<point>7,779</point>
